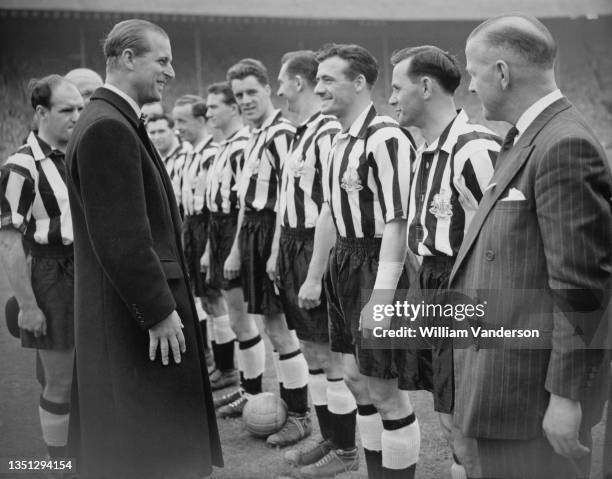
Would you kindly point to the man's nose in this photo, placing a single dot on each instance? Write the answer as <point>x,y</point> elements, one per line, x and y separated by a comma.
<point>169,71</point>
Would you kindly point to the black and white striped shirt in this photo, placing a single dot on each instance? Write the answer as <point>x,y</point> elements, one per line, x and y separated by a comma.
<point>437,220</point>
<point>195,171</point>
<point>224,173</point>
<point>302,180</point>
<point>264,156</point>
<point>369,175</point>
<point>33,194</point>
<point>174,162</point>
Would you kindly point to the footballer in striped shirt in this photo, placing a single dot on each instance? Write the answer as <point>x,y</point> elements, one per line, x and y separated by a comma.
<point>301,262</point>
<point>367,191</point>
<point>222,201</point>
<point>189,114</point>
<point>452,171</point>
<point>34,207</point>
<point>252,256</point>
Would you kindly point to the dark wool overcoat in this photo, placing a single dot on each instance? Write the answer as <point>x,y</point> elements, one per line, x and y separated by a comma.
<point>132,417</point>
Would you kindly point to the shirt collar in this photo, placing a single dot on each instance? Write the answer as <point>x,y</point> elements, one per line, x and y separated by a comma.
<point>199,148</point>
<point>268,121</point>
<point>237,134</point>
<point>448,137</point>
<point>534,110</point>
<point>125,96</point>
<point>360,126</point>
<point>40,149</point>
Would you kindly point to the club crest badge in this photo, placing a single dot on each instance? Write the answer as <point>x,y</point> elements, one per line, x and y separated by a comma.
<point>441,205</point>
<point>350,180</point>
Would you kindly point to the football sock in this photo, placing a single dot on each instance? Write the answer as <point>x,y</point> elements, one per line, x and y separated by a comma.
<point>370,427</point>
<point>294,381</point>
<point>251,362</point>
<point>54,419</point>
<point>223,343</point>
<point>401,442</point>
<point>317,384</point>
<point>343,412</point>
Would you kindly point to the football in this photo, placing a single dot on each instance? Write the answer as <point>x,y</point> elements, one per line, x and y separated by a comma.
<point>264,414</point>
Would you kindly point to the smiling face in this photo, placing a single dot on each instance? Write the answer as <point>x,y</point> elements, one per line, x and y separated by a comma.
<point>57,122</point>
<point>484,80</point>
<point>153,69</point>
<point>187,125</point>
<point>288,88</point>
<point>253,98</point>
<point>407,96</point>
<point>219,113</point>
<point>337,91</point>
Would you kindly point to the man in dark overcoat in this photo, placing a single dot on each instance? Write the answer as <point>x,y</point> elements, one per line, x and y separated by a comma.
<point>140,414</point>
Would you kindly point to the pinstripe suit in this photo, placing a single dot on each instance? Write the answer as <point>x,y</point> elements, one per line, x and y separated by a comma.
<point>558,237</point>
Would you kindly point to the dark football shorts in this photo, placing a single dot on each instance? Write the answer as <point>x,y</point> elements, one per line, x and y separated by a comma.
<point>53,285</point>
<point>195,235</point>
<point>221,234</point>
<point>294,255</point>
<point>435,373</point>
<point>256,236</point>
<point>352,269</point>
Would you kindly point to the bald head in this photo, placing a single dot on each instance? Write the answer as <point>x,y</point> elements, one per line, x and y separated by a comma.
<point>85,80</point>
<point>523,37</point>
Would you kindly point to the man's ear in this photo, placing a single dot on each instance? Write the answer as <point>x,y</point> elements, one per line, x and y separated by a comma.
<point>41,111</point>
<point>127,58</point>
<point>299,82</point>
<point>360,83</point>
<point>502,69</point>
<point>268,90</point>
<point>427,87</point>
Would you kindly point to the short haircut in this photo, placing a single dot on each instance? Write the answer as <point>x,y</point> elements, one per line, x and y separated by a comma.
<point>129,34</point>
<point>537,48</point>
<point>249,67</point>
<point>428,60</point>
<point>156,117</point>
<point>198,105</point>
<point>41,90</point>
<point>78,74</point>
<point>361,61</point>
<point>303,63</point>
<point>222,88</point>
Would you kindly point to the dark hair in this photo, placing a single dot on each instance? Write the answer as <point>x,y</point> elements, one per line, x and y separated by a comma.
<point>156,117</point>
<point>129,34</point>
<point>198,105</point>
<point>303,63</point>
<point>42,89</point>
<point>224,89</point>
<point>537,48</point>
<point>248,67</point>
<point>361,61</point>
<point>428,60</point>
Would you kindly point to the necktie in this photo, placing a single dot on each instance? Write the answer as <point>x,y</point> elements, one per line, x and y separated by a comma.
<point>509,140</point>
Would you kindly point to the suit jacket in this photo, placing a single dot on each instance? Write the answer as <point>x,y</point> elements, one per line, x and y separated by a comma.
<point>550,257</point>
<point>134,417</point>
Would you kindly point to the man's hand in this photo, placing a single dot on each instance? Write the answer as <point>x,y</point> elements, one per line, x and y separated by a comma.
<point>561,425</point>
<point>309,295</point>
<point>167,334</point>
<point>32,319</point>
<point>231,267</point>
<point>271,265</point>
<point>367,321</point>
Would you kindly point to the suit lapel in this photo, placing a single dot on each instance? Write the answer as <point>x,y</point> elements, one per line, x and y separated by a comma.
<point>509,164</point>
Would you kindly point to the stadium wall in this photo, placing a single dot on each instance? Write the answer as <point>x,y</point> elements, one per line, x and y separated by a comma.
<point>204,48</point>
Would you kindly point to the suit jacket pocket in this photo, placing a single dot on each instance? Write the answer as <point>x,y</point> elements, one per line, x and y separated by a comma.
<point>512,205</point>
<point>172,269</point>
